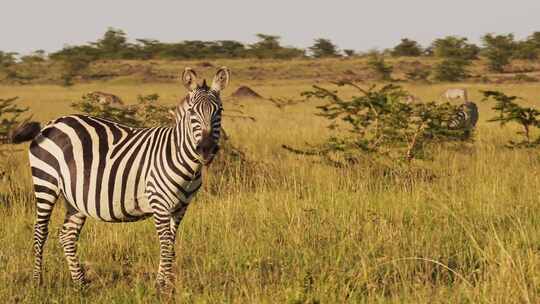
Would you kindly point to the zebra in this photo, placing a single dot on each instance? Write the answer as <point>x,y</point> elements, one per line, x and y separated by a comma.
<point>465,118</point>
<point>452,94</point>
<point>116,173</point>
<point>103,98</point>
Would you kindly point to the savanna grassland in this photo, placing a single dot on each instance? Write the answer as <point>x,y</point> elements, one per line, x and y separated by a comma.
<point>287,228</point>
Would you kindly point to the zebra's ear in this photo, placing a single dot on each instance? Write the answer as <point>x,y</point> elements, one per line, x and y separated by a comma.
<point>189,78</point>
<point>221,80</point>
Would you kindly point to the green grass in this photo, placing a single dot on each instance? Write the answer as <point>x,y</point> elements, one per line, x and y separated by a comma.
<point>293,230</point>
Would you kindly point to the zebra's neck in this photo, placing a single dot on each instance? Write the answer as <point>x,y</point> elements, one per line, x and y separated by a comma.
<point>184,144</point>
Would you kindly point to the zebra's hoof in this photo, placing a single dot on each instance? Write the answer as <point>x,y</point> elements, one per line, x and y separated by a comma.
<point>164,284</point>
<point>82,284</point>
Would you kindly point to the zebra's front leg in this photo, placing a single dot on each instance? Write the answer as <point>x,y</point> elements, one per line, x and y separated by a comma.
<point>69,235</point>
<point>176,219</point>
<point>162,220</point>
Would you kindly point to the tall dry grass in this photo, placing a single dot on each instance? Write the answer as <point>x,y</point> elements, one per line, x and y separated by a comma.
<point>287,228</point>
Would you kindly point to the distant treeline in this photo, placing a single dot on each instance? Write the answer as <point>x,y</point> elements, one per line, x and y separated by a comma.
<point>115,45</point>
<point>456,54</point>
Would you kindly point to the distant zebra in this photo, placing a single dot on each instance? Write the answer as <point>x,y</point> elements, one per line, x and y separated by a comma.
<point>452,94</point>
<point>466,117</point>
<point>104,98</point>
<point>115,173</point>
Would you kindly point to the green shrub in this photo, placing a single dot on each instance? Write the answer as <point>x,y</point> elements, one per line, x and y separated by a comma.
<point>498,50</point>
<point>453,69</point>
<point>418,74</point>
<point>407,47</point>
<point>378,65</point>
<point>381,123</point>
<point>528,118</point>
<point>323,48</point>
<point>455,47</point>
<point>10,115</point>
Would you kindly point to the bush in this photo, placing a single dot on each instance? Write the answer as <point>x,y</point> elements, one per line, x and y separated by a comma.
<point>498,50</point>
<point>269,46</point>
<point>451,70</point>
<point>418,74</point>
<point>378,65</point>
<point>455,47</point>
<point>324,48</point>
<point>147,112</point>
<point>7,59</point>
<point>349,53</point>
<point>10,115</point>
<point>407,47</point>
<point>526,50</point>
<point>380,122</point>
<point>510,112</point>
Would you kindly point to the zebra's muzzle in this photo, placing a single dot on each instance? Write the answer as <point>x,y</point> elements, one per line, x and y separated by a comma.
<point>207,149</point>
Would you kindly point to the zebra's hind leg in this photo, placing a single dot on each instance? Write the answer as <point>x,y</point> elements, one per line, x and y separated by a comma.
<point>46,196</point>
<point>69,235</point>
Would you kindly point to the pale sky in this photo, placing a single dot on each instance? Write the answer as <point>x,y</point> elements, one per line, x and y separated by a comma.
<point>28,25</point>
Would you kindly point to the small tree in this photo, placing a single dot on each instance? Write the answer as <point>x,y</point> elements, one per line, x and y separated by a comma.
<point>378,65</point>
<point>407,47</point>
<point>453,69</point>
<point>418,74</point>
<point>534,39</point>
<point>323,48</point>
<point>498,50</point>
<point>113,44</point>
<point>10,115</point>
<point>454,47</point>
<point>7,59</point>
<point>509,111</point>
<point>526,50</point>
<point>349,52</point>
<point>74,66</point>
<point>269,46</point>
<point>380,122</point>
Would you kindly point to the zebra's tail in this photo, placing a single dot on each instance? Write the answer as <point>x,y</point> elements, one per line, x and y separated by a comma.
<point>26,132</point>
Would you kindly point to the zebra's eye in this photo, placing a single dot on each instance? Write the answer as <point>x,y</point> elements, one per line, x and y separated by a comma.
<point>191,112</point>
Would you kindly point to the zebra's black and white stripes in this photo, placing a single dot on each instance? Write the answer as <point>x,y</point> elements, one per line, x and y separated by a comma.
<point>466,117</point>
<point>116,173</point>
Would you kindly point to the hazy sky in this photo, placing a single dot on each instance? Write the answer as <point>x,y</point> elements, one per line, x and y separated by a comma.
<point>29,25</point>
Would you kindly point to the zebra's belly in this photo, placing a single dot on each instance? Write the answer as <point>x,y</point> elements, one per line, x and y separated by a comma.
<point>112,191</point>
<point>110,202</point>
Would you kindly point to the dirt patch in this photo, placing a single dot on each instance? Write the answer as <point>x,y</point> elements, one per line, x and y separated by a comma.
<point>205,64</point>
<point>246,92</point>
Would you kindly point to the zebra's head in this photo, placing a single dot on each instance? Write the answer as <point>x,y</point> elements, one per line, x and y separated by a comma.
<point>204,107</point>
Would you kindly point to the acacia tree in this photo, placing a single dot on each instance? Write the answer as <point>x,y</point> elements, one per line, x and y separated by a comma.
<point>499,50</point>
<point>407,47</point>
<point>381,123</point>
<point>451,69</point>
<point>510,112</point>
<point>269,46</point>
<point>7,58</point>
<point>323,48</point>
<point>10,115</point>
<point>113,44</point>
<point>454,47</point>
<point>379,66</point>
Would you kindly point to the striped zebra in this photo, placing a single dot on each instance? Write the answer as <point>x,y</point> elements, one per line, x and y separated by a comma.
<point>116,173</point>
<point>465,118</point>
